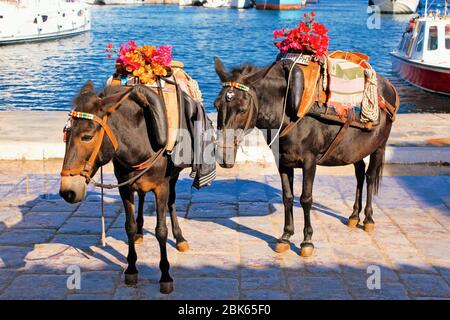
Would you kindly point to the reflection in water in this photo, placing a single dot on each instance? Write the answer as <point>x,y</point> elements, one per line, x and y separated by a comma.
<point>47,75</point>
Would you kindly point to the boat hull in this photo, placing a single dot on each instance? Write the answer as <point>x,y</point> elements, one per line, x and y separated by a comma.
<point>38,23</point>
<point>396,6</point>
<point>279,4</point>
<point>430,78</point>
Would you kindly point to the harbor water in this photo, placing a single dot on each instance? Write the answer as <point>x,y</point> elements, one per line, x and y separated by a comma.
<point>46,75</point>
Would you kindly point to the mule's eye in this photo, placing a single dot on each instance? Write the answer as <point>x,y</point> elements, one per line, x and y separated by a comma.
<point>86,138</point>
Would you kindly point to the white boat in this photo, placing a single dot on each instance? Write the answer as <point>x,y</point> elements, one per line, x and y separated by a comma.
<point>217,4</point>
<point>241,4</point>
<point>38,20</point>
<point>115,2</point>
<point>395,6</point>
<point>423,56</point>
<point>185,3</point>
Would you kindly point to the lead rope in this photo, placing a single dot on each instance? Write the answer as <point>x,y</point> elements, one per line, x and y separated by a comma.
<point>285,99</point>
<point>103,210</point>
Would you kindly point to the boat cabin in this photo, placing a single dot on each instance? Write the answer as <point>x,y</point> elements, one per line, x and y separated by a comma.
<point>427,39</point>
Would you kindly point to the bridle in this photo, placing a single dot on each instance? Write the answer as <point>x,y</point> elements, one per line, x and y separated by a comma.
<point>86,170</point>
<point>253,106</point>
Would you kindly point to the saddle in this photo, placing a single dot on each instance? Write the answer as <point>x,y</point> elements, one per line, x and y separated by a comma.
<point>337,83</point>
<point>167,89</point>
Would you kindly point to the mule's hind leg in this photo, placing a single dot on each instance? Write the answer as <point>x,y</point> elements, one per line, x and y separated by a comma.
<point>162,196</point>
<point>139,238</point>
<point>182,244</point>
<point>309,172</point>
<point>360,168</point>
<point>373,176</point>
<point>287,179</point>
<point>130,226</point>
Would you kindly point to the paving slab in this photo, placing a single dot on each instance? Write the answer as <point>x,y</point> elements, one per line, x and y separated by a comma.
<point>232,232</point>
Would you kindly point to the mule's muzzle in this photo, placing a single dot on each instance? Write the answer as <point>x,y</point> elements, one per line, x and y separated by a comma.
<point>226,156</point>
<point>73,188</point>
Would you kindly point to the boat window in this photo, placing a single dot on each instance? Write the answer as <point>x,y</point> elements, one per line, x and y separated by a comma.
<point>44,18</point>
<point>433,38</point>
<point>419,46</point>
<point>447,36</point>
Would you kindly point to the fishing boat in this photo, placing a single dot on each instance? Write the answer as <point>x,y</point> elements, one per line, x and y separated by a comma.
<point>280,4</point>
<point>395,6</point>
<point>36,20</point>
<point>423,56</point>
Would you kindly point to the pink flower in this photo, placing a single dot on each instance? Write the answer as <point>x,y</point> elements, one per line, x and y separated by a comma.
<point>163,56</point>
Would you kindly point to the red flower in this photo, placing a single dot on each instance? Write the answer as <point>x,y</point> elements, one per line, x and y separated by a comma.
<point>306,36</point>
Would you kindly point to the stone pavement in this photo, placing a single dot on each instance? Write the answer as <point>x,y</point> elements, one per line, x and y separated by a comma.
<point>231,228</point>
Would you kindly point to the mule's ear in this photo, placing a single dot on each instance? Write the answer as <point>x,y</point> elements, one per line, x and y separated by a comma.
<point>87,88</point>
<point>220,69</point>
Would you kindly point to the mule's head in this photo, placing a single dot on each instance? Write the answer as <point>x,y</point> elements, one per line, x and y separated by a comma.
<point>237,111</point>
<point>86,148</point>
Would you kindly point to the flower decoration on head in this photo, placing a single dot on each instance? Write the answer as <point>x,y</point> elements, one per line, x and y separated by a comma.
<point>308,37</point>
<point>145,62</point>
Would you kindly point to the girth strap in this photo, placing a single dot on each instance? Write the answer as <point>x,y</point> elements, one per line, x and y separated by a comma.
<point>339,137</point>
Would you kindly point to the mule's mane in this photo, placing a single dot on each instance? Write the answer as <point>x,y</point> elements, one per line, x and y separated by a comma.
<point>243,70</point>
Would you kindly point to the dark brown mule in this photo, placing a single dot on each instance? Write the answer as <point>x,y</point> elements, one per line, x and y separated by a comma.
<point>128,127</point>
<point>303,147</point>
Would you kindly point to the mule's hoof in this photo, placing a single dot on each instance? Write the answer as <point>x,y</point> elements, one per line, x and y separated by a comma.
<point>131,279</point>
<point>183,246</point>
<point>282,247</point>
<point>306,250</point>
<point>166,287</point>
<point>369,227</point>
<point>352,223</point>
<point>139,239</point>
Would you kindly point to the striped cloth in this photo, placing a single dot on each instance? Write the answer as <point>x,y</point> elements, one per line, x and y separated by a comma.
<point>346,85</point>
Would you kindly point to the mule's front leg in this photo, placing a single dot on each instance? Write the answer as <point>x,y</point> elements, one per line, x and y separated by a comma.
<point>287,179</point>
<point>162,196</point>
<point>182,244</point>
<point>309,172</point>
<point>360,168</point>
<point>139,238</point>
<point>131,277</point>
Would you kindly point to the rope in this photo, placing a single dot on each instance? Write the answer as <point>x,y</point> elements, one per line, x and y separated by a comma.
<point>285,100</point>
<point>103,210</point>
<point>133,179</point>
<point>369,105</point>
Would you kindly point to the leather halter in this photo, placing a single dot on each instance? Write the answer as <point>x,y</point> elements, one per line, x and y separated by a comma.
<point>104,128</point>
<point>253,106</point>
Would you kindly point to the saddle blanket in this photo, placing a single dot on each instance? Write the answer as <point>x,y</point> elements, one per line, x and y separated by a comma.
<point>346,85</point>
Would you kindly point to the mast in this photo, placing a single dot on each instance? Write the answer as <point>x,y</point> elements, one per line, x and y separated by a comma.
<point>426,8</point>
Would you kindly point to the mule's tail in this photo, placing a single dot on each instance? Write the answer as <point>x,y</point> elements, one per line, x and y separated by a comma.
<point>379,174</point>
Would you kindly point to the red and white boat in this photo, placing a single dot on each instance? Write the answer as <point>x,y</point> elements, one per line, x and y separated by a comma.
<point>423,56</point>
